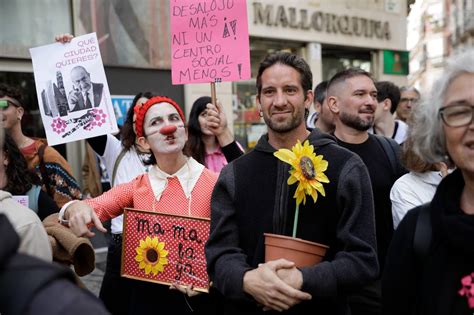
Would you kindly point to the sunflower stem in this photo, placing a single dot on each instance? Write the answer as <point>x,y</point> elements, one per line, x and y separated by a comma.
<point>295,222</point>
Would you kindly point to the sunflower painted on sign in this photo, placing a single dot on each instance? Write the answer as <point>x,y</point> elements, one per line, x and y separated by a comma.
<point>307,169</point>
<point>151,255</point>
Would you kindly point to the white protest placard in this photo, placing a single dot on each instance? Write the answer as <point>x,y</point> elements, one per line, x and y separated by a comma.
<point>209,41</point>
<point>73,94</point>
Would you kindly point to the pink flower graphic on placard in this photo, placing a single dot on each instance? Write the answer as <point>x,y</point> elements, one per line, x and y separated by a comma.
<point>59,125</point>
<point>467,289</point>
<point>96,119</point>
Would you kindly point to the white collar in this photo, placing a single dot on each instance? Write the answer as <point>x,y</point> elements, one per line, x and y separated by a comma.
<point>431,177</point>
<point>187,175</point>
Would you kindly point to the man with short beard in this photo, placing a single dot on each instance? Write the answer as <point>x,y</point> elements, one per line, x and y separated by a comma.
<point>352,98</point>
<point>252,197</point>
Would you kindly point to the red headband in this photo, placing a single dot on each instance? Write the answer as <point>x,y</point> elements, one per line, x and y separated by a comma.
<point>140,111</point>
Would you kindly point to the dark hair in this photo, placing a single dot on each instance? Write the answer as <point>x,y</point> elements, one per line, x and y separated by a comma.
<point>127,134</point>
<point>320,92</point>
<point>386,89</point>
<point>195,146</point>
<point>346,74</point>
<point>10,91</point>
<point>19,178</point>
<point>288,59</point>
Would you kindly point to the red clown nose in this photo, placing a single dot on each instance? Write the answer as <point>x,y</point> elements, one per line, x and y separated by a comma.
<point>166,130</point>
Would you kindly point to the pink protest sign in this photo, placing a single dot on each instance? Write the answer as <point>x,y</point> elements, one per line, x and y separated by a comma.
<point>164,248</point>
<point>209,41</point>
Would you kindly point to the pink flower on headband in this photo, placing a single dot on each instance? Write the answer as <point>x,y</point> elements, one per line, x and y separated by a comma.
<point>467,289</point>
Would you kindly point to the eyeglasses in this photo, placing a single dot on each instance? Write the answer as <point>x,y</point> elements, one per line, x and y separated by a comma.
<point>407,99</point>
<point>457,115</point>
<point>4,104</point>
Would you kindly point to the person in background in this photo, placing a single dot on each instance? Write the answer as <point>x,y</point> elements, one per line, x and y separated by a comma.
<point>20,181</point>
<point>352,97</point>
<point>252,197</point>
<point>176,184</point>
<point>409,98</point>
<point>430,262</point>
<point>388,96</point>
<point>33,239</point>
<point>53,170</point>
<point>30,285</point>
<point>322,118</point>
<point>416,187</point>
<point>95,178</point>
<point>124,160</point>
<point>212,146</point>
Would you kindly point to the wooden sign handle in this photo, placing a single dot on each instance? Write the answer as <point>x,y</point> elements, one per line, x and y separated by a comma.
<point>213,94</point>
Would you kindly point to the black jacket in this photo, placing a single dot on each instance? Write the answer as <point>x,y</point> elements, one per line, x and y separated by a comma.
<point>252,197</point>
<point>430,286</point>
<point>29,285</point>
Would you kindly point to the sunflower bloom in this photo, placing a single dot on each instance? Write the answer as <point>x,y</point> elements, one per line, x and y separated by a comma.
<point>151,255</point>
<point>307,169</point>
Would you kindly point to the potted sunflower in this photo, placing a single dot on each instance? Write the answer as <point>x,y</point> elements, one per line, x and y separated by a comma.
<point>307,170</point>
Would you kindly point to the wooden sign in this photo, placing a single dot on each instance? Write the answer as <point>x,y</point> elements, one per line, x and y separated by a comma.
<point>165,248</point>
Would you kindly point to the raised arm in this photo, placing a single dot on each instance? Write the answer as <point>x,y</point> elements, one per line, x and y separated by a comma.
<point>80,215</point>
<point>217,122</point>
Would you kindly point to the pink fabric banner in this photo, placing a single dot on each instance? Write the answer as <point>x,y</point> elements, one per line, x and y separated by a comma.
<point>209,41</point>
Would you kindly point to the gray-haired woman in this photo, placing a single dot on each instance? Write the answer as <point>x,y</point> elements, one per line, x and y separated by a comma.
<point>430,264</point>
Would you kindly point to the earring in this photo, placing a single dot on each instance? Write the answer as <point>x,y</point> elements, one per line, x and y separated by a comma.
<point>260,113</point>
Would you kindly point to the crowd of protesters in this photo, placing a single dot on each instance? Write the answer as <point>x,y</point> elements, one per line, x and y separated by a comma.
<point>397,211</point>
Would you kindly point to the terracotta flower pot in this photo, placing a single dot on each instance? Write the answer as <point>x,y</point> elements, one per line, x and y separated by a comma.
<point>303,253</point>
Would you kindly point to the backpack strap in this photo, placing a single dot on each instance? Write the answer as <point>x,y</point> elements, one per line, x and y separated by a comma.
<point>116,164</point>
<point>391,151</point>
<point>44,174</point>
<point>423,234</point>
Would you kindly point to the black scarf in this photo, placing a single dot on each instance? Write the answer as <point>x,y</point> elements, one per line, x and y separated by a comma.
<point>452,251</point>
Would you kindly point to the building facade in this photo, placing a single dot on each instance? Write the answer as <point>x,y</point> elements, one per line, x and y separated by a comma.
<point>437,29</point>
<point>135,46</point>
<point>330,35</point>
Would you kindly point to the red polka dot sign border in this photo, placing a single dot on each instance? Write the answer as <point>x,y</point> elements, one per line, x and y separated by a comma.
<point>184,239</point>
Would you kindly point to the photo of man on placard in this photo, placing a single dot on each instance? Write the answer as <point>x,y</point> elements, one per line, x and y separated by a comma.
<point>85,94</point>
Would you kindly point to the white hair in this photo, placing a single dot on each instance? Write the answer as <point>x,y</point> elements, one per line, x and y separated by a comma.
<point>429,141</point>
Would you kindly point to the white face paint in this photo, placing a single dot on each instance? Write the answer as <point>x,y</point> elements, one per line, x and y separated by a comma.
<point>158,116</point>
